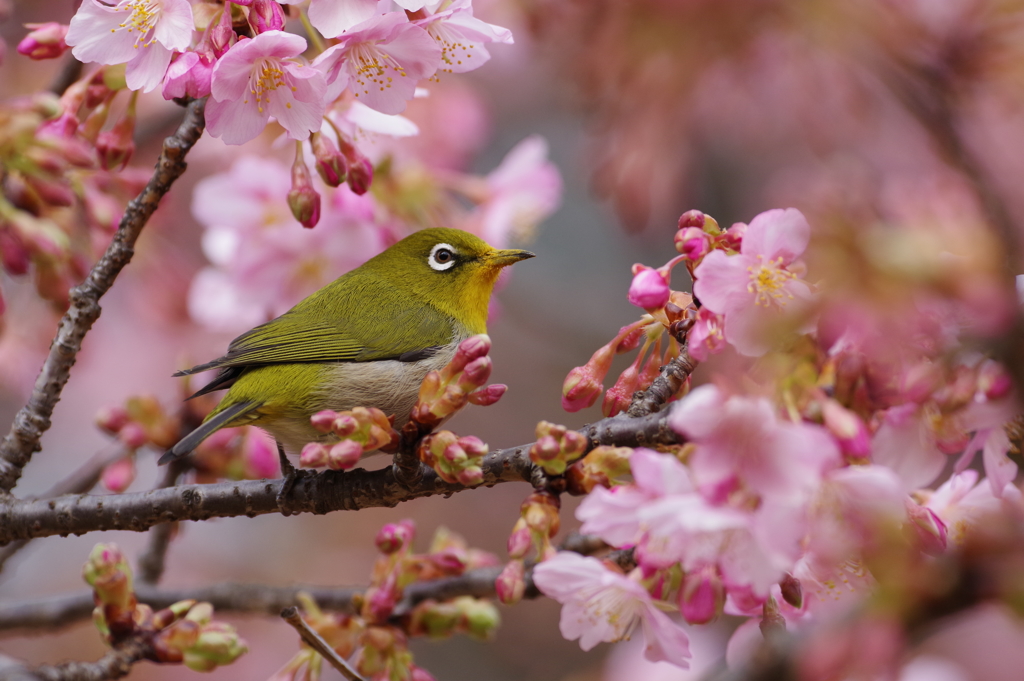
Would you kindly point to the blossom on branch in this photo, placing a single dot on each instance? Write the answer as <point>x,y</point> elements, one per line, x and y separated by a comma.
<point>140,33</point>
<point>260,78</point>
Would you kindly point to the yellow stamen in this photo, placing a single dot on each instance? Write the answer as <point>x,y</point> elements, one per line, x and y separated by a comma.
<point>768,282</point>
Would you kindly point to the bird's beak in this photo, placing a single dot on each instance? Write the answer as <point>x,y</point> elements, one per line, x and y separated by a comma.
<point>504,258</point>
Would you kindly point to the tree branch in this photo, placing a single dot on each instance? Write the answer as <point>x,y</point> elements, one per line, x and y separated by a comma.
<point>322,493</point>
<point>114,665</point>
<point>151,562</point>
<point>34,418</point>
<point>667,384</point>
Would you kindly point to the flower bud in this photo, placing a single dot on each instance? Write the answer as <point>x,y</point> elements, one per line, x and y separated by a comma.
<point>222,34</point>
<point>112,419</point>
<point>218,644</point>
<point>116,146</point>
<point>108,573</point>
<point>520,541</point>
<point>792,591</point>
<point>437,620</point>
<point>692,218</point>
<point>583,385</point>
<point>479,618</point>
<point>133,435</point>
<point>620,395</point>
<point>261,457</point>
<point>601,466</point>
<point>630,339</point>
<point>927,528</point>
<point>266,15</point>
<point>511,583</point>
<point>344,455</point>
<point>692,243</point>
<point>303,199</point>
<point>119,475</point>
<point>381,602</point>
<point>649,289</point>
<point>46,41</point>
<point>313,455</point>
<point>331,165</point>
<point>702,595</point>
<point>189,75</point>
<point>395,536</point>
<point>487,395</point>
<point>993,380</point>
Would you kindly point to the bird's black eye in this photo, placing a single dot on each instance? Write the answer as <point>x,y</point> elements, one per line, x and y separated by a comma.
<point>442,257</point>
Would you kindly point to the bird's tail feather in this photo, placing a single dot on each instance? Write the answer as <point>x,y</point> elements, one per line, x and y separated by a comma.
<point>217,421</point>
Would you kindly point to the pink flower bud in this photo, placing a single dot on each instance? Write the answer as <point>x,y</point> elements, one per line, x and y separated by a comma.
<point>475,374</point>
<point>511,583</point>
<point>116,146</point>
<point>14,256</point>
<point>303,199</point>
<point>395,536</point>
<point>344,425</point>
<point>453,453</point>
<point>920,381</point>
<point>360,174</point>
<point>487,395</point>
<point>381,603</point>
<point>620,395</point>
<point>545,449</point>
<point>323,421</point>
<point>222,34</point>
<point>189,75</point>
<point>691,218</point>
<point>630,341</point>
<point>266,15</point>
<point>313,455</point>
<point>331,165</point>
<point>261,457</point>
<point>344,455</point>
<point>581,389</point>
<point>474,447</point>
<point>470,477</point>
<point>132,435</point>
<point>693,243</point>
<point>702,595</point>
<point>993,380</point>
<point>112,419</point>
<point>119,475</point>
<point>927,528</point>
<point>520,541</point>
<point>46,41</point>
<point>849,430</point>
<point>448,562</point>
<point>649,290</point>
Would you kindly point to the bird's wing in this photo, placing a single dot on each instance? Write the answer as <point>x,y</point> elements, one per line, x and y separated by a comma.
<point>392,325</point>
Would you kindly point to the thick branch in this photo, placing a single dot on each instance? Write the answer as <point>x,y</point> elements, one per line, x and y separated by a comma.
<point>323,493</point>
<point>34,418</point>
<point>667,384</point>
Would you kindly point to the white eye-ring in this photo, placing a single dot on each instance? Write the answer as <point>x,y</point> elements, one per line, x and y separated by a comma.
<point>442,257</point>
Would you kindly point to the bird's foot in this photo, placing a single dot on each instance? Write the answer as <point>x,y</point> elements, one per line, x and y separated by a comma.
<point>291,476</point>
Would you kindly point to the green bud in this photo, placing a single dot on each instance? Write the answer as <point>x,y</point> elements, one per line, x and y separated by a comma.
<point>480,618</point>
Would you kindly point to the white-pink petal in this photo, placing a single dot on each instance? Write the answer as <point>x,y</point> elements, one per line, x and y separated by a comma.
<point>720,282</point>
<point>776,234</point>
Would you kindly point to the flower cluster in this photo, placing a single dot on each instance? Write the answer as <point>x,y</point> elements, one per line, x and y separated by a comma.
<point>360,430</point>
<point>378,636</point>
<point>183,633</point>
<point>796,486</point>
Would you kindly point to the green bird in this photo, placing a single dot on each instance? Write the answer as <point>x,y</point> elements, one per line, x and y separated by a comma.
<point>367,339</point>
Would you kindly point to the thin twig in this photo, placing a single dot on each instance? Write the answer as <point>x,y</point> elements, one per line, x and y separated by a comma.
<point>313,640</point>
<point>322,493</point>
<point>33,420</point>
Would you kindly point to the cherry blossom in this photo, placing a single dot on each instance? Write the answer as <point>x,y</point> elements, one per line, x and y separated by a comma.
<point>260,78</point>
<point>381,61</point>
<point>740,443</point>
<point>761,285</point>
<point>334,17</point>
<point>140,33</point>
<point>601,605</point>
<point>262,263</point>
<point>461,36</point>
<point>189,76</point>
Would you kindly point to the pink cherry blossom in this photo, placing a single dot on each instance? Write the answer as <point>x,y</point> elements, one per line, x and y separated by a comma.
<point>962,502</point>
<point>521,192</point>
<point>260,78</point>
<point>760,286</point>
<point>740,441</point>
<point>381,61</point>
<point>707,336</point>
<point>334,17</point>
<point>262,261</point>
<point>601,605</point>
<point>461,36</point>
<point>906,444</point>
<point>140,33</point>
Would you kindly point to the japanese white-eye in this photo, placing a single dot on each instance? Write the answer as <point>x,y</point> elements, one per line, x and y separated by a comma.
<point>367,339</point>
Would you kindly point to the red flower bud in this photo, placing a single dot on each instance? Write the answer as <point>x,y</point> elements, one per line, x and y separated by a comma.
<point>46,41</point>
